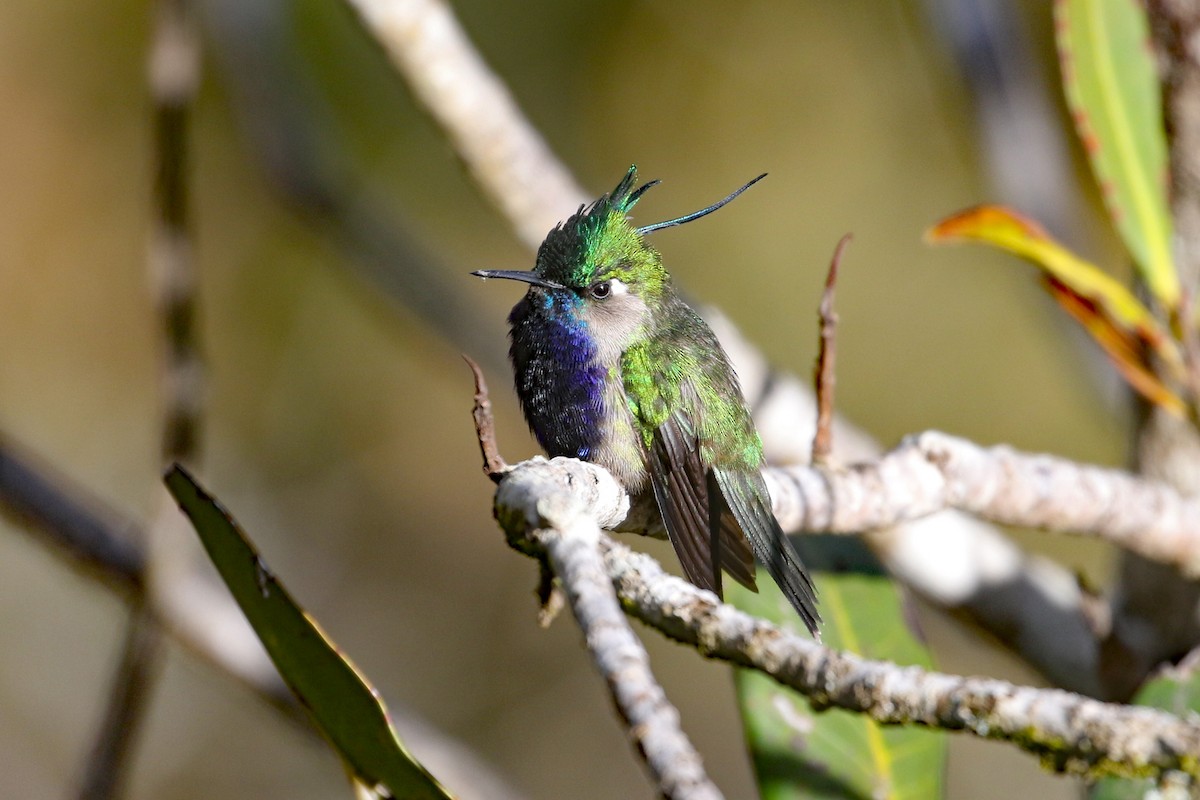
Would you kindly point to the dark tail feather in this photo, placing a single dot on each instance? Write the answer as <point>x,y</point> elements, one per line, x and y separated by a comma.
<point>747,498</point>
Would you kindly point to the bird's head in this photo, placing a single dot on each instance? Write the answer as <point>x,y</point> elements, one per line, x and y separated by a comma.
<point>598,267</point>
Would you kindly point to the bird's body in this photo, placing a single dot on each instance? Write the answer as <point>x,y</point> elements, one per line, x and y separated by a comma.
<point>614,368</point>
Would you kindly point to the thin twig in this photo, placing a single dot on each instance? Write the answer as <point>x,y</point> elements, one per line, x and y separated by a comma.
<point>110,548</point>
<point>826,372</point>
<point>494,465</point>
<point>108,763</point>
<point>291,127</point>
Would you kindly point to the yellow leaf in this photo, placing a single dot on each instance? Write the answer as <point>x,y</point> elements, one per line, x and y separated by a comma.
<point>1118,321</point>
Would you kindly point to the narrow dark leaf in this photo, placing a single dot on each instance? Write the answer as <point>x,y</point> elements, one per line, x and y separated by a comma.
<point>344,706</point>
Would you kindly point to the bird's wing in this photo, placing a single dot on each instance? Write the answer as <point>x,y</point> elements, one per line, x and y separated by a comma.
<point>745,494</point>
<point>683,486</point>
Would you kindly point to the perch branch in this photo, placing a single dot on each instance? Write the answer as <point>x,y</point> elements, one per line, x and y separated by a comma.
<point>932,472</point>
<point>562,530</point>
<point>1072,733</point>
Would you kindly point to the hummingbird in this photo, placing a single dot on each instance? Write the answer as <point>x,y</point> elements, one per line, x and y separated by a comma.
<point>611,366</point>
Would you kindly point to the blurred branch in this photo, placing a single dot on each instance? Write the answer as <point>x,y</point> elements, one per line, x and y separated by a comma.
<point>1156,610</point>
<point>173,75</point>
<point>75,526</point>
<point>82,529</point>
<point>1025,148</point>
<point>293,132</point>
<point>505,155</point>
<point>134,680</point>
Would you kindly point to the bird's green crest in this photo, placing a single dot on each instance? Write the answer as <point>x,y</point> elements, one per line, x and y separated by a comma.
<point>598,242</point>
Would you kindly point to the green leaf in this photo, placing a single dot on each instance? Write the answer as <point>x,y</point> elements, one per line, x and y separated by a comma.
<point>1112,88</point>
<point>1175,689</point>
<point>344,706</point>
<point>1114,317</point>
<point>801,753</point>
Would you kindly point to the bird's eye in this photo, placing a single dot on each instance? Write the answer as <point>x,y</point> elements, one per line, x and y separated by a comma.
<point>601,290</point>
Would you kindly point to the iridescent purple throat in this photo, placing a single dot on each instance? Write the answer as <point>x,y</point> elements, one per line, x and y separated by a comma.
<point>559,381</point>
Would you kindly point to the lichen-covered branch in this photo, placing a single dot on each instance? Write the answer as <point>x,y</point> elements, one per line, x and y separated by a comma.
<point>557,526</point>
<point>933,471</point>
<point>1071,732</point>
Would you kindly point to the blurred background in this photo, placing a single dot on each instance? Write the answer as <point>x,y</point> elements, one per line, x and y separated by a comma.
<point>334,231</point>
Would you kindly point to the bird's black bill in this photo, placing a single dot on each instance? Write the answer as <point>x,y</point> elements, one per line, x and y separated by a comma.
<point>518,275</point>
